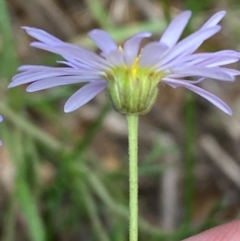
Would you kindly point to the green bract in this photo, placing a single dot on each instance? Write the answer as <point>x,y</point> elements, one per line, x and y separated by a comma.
<point>133,90</point>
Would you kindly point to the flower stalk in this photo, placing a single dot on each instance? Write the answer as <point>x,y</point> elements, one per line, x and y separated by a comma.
<point>133,176</point>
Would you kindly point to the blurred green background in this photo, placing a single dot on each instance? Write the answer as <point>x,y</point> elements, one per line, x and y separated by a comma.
<point>64,177</point>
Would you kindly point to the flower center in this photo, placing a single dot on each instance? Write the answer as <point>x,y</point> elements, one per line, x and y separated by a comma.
<point>133,90</point>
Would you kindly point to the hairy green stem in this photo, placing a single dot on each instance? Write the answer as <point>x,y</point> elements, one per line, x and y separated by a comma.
<point>133,176</point>
<point>189,160</point>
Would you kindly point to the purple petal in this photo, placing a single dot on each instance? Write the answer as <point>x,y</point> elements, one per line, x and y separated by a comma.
<point>185,81</point>
<point>230,53</point>
<point>215,73</point>
<point>131,47</point>
<point>76,64</point>
<point>74,52</point>
<point>179,61</point>
<point>205,94</point>
<point>205,59</point>
<point>206,56</point>
<point>60,70</point>
<point>102,39</point>
<point>214,20</point>
<point>42,36</point>
<point>58,81</point>
<point>115,58</point>
<point>219,61</point>
<point>152,53</point>
<point>188,45</point>
<point>232,72</point>
<point>30,67</point>
<point>84,95</point>
<point>80,67</point>
<point>31,76</point>
<point>50,40</point>
<point>211,60</point>
<point>174,30</point>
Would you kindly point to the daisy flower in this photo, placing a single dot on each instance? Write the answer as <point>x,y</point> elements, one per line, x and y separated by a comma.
<point>131,73</point>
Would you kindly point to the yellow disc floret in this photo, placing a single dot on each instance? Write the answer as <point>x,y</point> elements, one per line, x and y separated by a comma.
<point>134,68</point>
